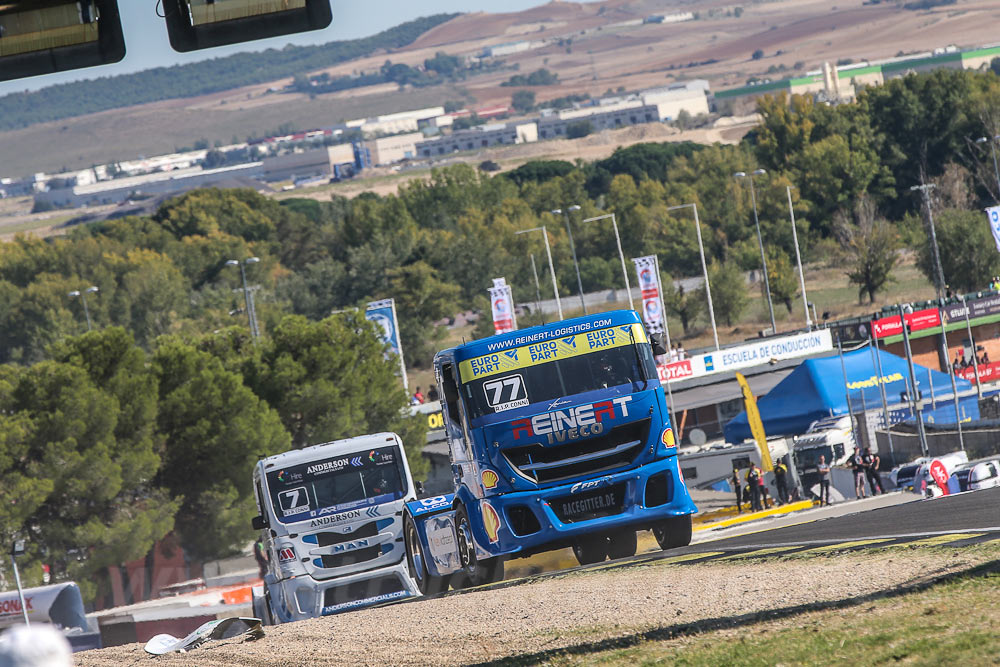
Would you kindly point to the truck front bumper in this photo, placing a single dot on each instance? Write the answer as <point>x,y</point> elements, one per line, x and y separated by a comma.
<point>543,519</point>
<point>303,597</point>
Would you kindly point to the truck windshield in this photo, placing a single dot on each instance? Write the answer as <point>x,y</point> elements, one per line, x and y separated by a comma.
<point>809,458</point>
<point>563,367</point>
<point>336,484</point>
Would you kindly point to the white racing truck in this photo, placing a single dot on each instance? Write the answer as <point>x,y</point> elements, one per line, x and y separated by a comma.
<point>331,521</point>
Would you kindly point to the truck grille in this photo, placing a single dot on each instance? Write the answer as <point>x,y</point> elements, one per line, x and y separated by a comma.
<point>370,529</point>
<point>352,557</point>
<point>616,449</point>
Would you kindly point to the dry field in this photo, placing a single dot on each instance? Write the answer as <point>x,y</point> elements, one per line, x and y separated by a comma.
<point>600,56</point>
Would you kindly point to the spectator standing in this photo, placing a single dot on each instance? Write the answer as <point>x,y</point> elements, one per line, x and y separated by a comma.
<point>823,468</point>
<point>432,394</point>
<point>260,555</point>
<point>736,488</point>
<point>871,470</point>
<point>781,481</point>
<point>764,501</point>
<point>858,465</point>
<point>418,397</point>
<point>986,358</point>
<point>753,483</point>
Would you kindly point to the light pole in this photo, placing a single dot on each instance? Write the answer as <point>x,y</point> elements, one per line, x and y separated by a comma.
<point>247,296</point>
<point>925,189</point>
<point>798,257</point>
<point>83,297</point>
<point>760,241</point>
<point>17,549</point>
<point>621,255</point>
<point>572,249</point>
<point>538,290</point>
<point>704,267</point>
<point>912,393</point>
<point>548,252</point>
<point>993,149</point>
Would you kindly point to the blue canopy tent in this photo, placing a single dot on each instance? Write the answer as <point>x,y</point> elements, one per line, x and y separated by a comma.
<point>816,389</point>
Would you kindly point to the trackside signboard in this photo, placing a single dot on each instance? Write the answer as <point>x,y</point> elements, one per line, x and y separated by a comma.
<point>748,355</point>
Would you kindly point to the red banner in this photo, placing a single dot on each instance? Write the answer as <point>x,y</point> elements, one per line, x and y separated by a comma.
<point>987,372</point>
<point>675,370</point>
<point>922,319</point>
<point>940,475</point>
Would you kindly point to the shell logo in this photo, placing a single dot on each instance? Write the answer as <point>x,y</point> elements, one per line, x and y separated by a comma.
<point>491,521</point>
<point>668,438</point>
<point>490,479</point>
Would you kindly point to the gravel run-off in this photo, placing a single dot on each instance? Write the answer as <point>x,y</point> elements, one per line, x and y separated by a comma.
<point>562,611</point>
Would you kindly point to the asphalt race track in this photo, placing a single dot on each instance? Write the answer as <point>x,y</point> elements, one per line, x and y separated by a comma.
<point>976,511</point>
<point>959,520</point>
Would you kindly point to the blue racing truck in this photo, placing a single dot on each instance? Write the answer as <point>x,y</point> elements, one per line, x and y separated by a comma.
<point>559,435</point>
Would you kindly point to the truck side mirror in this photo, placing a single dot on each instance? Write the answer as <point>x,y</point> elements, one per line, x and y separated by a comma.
<point>419,487</point>
<point>658,344</point>
<point>259,523</point>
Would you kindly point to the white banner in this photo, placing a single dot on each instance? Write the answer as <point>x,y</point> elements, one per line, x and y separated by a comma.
<point>649,284</point>
<point>59,604</point>
<point>751,354</point>
<point>502,304</point>
<point>994,215</point>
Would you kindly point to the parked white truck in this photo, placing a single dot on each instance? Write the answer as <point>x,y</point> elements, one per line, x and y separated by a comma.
<point>833,437</point>
<point>331,521</point>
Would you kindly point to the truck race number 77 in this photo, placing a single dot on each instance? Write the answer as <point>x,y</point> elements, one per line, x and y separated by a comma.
<point>559,435</point>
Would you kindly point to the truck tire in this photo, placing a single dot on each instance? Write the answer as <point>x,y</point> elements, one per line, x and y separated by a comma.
<point>426,582</point>
<point>475,572</point>
<point>591,549</point>
<point>622,544</point>
<point>673,532</point>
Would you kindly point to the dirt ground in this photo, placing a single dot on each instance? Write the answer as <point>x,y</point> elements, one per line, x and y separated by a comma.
<point>562,611</point>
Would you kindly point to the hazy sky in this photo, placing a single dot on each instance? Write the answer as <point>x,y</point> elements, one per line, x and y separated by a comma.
<point>147,45</point>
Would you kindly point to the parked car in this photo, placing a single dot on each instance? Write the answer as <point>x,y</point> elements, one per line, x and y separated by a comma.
<point>978,475</point>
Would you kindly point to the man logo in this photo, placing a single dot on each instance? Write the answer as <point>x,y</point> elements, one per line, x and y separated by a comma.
<point>490,479</point>
<point>491,521</point>
<point>285,555</point>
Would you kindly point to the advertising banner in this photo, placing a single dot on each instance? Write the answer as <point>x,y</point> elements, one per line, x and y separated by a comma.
<point>756,425</point>
<point>383,313</point>
<point>502,304</point>
<point>748,355</point>
<point>987,372</point>
<point>993,213</point>
<point>988,305</point>
<point>921,319</point>
<point>649,284</point>
<point>59,604</point>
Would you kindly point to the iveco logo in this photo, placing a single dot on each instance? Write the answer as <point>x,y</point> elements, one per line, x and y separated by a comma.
<point>592,484</point>
<point>350,546</point>
<point>556,403</point>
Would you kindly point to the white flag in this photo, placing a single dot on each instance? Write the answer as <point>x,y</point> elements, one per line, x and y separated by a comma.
<point>994,215</point>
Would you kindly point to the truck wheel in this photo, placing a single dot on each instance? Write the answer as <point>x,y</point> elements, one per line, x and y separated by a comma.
<point>673,532</point>
<point>475,572</point>
<point>622,545</point>
<point>591,549</point>
<point>426,582</point>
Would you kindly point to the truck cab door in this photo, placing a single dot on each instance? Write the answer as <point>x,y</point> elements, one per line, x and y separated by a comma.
<point>457,429</point>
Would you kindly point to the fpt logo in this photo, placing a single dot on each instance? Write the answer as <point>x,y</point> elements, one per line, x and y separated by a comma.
<point>491,521</point>
<point>490,479</point>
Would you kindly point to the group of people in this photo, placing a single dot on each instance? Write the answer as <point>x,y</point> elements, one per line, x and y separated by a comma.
<point>753,492</point>
<point>865,466</point>
<point>677,353</point>
<point>962,363</point>
<point>418,397</point>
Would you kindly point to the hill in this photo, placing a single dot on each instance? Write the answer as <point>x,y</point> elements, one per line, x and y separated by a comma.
<point>69,100</point>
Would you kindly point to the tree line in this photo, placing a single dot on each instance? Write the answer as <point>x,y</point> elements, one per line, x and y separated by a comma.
<point>152,421</point>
